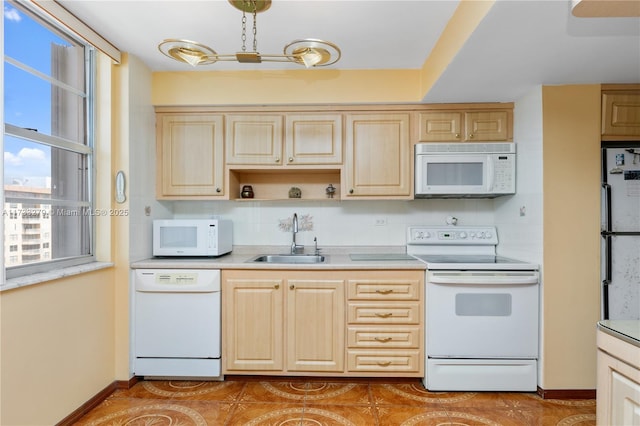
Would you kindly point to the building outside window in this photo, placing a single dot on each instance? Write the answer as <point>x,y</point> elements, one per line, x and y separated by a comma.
<point>48,144</point>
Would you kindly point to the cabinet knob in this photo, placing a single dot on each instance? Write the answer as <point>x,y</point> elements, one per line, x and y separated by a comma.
<point>277,159</point>
<point>291,159</point>
<point>277,286</point>
<point>218,190</point>
<point>457,135</point>
<point>292,287</point>
<point>470,135</point>
<point>351,191</point>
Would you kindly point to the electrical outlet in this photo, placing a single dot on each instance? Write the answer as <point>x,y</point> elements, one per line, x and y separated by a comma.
<point>382,221</point>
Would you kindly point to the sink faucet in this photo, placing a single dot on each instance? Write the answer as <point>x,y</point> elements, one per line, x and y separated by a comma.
<point>295,248</point>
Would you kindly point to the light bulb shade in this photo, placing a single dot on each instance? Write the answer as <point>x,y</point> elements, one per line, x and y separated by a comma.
<point>311,57</point>
<point>312,52</point>
<point>187,51</point>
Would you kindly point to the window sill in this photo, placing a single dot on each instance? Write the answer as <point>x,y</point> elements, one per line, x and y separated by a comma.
<point>55,274</point>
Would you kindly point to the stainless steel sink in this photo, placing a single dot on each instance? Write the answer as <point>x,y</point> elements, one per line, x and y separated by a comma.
<point>289,258</point>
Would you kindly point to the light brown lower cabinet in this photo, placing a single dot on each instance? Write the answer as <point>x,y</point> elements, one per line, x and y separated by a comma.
<point>385,326</point>
<point>338,323</point>
<point>277,322</point>
<point>618,392</point>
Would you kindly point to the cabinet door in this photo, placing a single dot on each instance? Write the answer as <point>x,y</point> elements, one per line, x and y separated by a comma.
<point>254,139</point>
<point>618,385</point>
<point>625,397</point>
<point>440,126</point>
<point>378,156</point>
<point>313,139</point>
<point>253,324</point>
<point>486,126</point>
<point>190,155</point>
<point>620,114</point>
<point>315,325</point>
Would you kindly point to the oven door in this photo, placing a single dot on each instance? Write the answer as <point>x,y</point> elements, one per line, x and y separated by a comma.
<point>482,314</point>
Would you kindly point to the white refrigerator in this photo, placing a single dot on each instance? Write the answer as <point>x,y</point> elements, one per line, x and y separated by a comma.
<point>620,231</point>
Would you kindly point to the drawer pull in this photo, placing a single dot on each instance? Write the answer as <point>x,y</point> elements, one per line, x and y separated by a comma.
<point>383,339</point>
<point>384,364</point>
<point>385,315</point>
<point>384,291</point>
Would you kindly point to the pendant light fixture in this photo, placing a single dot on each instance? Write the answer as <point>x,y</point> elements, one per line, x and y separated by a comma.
<point>308,52</point>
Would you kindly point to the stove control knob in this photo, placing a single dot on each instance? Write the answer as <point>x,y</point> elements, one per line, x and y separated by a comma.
<point>421,235</point>
<point>472,234</point>
<point>488,234</point>
<point>463,235</point>
<point>481,235</point>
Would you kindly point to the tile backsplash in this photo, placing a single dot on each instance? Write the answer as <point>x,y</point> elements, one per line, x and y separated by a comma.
<point>334,222</point>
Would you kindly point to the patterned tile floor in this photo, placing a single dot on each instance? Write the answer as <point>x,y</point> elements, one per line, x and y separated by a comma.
<point>302,402</point>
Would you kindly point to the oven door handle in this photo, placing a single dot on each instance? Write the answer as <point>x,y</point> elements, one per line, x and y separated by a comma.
<point>487,280</point>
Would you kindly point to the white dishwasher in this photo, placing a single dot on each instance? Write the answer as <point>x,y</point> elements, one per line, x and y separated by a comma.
<point>176,323</point>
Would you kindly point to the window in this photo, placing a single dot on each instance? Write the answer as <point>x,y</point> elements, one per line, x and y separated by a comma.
<point>48,143</point>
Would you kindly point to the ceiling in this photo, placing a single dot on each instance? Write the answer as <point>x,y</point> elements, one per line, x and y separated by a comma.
<point>520,44</point>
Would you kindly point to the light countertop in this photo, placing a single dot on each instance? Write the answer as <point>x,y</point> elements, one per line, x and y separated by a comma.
<point>627,330</point>
<point>336,258</point>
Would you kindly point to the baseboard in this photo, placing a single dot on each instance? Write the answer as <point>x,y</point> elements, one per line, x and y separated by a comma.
<point>96,400</point>
<point>567,393</point>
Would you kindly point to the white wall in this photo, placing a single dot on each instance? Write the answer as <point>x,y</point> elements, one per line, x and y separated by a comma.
<point>141,182</point>
<point>519,217</point>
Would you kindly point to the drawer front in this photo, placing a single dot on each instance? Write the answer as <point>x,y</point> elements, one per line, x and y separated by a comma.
<point>400,289</point>
<point>383,313</point>
<point>383,362</point>
<point>384,337</point>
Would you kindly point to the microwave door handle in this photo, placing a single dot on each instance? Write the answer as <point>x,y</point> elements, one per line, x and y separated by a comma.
<point>490,166</point>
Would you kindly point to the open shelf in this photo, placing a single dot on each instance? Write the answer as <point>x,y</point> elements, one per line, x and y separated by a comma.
<point>275,185</point>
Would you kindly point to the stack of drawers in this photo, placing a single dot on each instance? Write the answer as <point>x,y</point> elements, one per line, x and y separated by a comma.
<point>385,330</point>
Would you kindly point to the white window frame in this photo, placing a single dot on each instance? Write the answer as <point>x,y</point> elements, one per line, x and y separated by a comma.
<point>56,142</point>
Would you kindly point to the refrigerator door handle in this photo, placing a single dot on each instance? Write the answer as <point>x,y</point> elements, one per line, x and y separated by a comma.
<point>606,234</point>
<point>607,261</point>
<point>607,203</point>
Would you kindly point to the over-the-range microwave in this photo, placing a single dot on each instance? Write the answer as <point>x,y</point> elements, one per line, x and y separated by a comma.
<point>461,170</point>
<point>192,237</point>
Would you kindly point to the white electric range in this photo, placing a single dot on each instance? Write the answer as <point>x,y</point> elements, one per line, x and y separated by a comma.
<point>481,311</point>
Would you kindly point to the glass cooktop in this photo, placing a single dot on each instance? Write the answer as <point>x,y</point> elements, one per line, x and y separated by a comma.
<point>467,262</point>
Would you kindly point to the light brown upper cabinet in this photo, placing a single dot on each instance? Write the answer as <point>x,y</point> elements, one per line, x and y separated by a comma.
<point>465,126</point>
<point>254,139</point>
<point>190,162</point>
<point>313,139</point>
<point>378,156</point>
<point>307,139</point>
<point>620,114</point>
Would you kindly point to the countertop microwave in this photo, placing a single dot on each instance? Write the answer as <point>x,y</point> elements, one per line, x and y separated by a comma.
<point>192,237</point>
<point>465,170</point>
